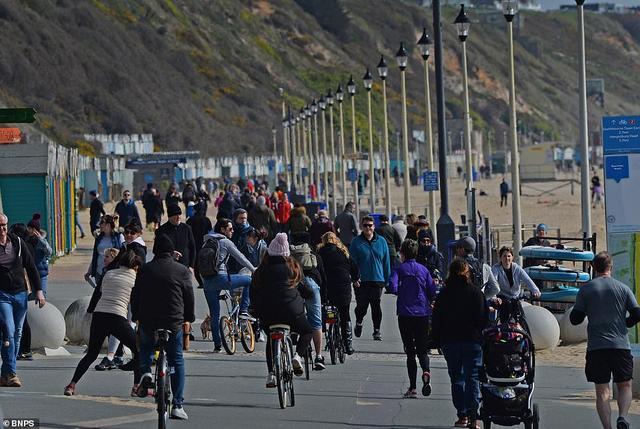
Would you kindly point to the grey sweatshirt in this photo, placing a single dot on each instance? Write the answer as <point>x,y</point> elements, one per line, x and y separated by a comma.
<point>227,249</point>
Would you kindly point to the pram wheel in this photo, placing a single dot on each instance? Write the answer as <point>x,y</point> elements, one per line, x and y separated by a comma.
<point>534,422</point>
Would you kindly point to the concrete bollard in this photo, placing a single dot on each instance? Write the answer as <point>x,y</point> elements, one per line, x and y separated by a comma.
<point>570,334</point>
<point>545,330</point>
<point>78,321</point>
<point>47,326</point>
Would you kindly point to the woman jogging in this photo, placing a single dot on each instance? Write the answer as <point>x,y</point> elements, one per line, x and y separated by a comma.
<point>415,289</point>
<point>110,318</point>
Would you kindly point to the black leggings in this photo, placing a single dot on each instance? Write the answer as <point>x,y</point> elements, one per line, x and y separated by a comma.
<point>369,294</point>
<point>345,316</point>
<point>301,327</point>
<point>413,331</point>
<point>103,325</point>
<point>25,341</point>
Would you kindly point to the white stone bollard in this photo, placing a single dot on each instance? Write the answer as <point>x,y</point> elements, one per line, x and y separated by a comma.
<point>47,326</point>
<point>572,334</point>
<point>78,321</point>
<point>545,330</point>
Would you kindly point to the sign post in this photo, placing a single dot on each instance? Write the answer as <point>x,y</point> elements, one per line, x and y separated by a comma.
<point>23,115</point>
<point>621,148</point>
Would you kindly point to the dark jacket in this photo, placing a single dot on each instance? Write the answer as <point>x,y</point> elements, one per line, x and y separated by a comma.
<point>12,279</point>
<point>200,226</point>
<point>163,295</point>
<point>459,313</point>
<point>126,212</point>
<point>117,240</point>
<point>431,259</point>
<point>341,271</point>
<point>392,237</point>
<point>154,209</point>
<point>298,221</point>
<point>274,300</point>
<point>96,209</point>
<point>41,252</point>
<point>228,206</point>
<point>346,226</point>
<point>182,239</point>
<point>321,226</point>
<point>262,217</point>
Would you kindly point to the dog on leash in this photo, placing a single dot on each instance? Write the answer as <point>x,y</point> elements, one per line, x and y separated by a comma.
<point>205,327</point>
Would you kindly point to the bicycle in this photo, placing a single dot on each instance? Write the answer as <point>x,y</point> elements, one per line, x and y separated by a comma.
<point>161,384</point>
<point>333,335</point>
<point>281,352</point>
<point>236,326</point>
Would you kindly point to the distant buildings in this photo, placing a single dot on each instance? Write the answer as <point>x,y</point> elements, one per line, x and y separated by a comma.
<point>497,4</point>
<point>604,8</point>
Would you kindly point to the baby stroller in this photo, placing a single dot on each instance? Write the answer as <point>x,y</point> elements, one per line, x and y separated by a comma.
<point>507,379</point>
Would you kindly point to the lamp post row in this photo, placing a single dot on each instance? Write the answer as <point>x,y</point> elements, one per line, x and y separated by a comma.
<point>462,23</point>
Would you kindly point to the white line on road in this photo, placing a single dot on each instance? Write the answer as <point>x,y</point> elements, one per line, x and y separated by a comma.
<point>115,421</point>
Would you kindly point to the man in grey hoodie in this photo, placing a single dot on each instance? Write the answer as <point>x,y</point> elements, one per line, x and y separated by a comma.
<point>346,225</point>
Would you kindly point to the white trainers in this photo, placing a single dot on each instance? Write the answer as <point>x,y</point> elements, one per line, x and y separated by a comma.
<point>179,413</point>
<point>271,380</point>
<point>298,368</point>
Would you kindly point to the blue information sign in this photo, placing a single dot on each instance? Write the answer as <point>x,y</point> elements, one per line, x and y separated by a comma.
<point>271,164</point>
<point>430,181</point>
<point>305,171</point>
<point>621,134</point>
<point>352,175</point>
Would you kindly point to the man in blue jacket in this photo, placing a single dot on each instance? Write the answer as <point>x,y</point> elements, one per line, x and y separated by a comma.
<point>371,254</point>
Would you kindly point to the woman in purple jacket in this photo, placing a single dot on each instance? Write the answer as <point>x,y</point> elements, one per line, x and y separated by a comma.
<point>413,285</point>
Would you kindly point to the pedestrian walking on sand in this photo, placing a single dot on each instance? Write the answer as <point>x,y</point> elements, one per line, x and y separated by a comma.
<point>605,302</point>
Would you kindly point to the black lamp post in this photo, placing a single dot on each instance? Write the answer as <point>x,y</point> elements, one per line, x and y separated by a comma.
<point>367,81</point>
<point>383,71</point>
<point>402,59</point>
<point>340,99</point>
<point>334,201</point>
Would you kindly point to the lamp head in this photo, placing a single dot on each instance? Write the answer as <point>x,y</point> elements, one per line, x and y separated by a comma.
<point>462,22</point>
<point>367,80</point>
<point>351,86</point>
<point>402,57</point>
<point>509,9</point>
<point>314,107</point>
<point>322,103</point>
<point>383,70</point>
<point>330,98</point>
<point>424,44</point>
<point>339,93</point>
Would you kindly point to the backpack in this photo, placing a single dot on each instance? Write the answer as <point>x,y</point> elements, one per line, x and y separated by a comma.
<point>207,261</point>
<point>302,254</point>
<point>477,277</point>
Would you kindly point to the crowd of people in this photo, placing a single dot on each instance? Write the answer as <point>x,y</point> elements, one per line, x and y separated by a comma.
<point>277,255</point>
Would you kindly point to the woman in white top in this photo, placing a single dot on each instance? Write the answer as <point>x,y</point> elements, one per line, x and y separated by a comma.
<point>110,318</point>
<point>510,277</point>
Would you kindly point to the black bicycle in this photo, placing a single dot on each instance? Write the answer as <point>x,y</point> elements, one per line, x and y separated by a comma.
<point>162,381</point>
<point>281,352</point>
<point>333,335</point>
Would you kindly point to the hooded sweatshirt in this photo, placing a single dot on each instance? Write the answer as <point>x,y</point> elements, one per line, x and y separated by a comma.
<point>227,249</point>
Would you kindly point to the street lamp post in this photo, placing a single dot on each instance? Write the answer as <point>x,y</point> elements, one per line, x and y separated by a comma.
<point>274,131</point>
<point>303,153</point>
<point>351,88</point>
<point>383,71</point>
<point>334,200</point>
<point>316,154</point>
<point>322,103</point>
<point>424,44</point>
<point>584,128</point>
<point>462,22</point>
<point>340,99</point>
<point>368,83</point>
<point>509,8</point>
<point>402,59</point>
<point>309,149</point>
<point>293,122</point>
<point>285,141</point>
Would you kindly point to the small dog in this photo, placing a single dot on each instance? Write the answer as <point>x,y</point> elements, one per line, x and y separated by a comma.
<point>205,327</point>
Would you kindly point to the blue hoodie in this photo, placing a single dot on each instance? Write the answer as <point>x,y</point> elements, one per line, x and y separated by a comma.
<point>372,258</point>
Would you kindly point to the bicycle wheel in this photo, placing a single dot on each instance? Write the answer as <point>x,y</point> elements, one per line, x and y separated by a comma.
<point>292,396</point>
<point>285,365</point>
<point>247,336</point>
<point>342,354</point>
<point>162,374</point>
<point>227,334</point>
<point>331,343</point>
<point>279,370</point>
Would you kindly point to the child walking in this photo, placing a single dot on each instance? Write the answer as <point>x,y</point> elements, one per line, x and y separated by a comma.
<point>416,290</point>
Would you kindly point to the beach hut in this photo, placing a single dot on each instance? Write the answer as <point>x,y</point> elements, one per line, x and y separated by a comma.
<point>39,177</point>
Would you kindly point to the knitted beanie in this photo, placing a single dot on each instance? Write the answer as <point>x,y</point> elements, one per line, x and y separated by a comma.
<point>279,246</point>
<point>35,222</point>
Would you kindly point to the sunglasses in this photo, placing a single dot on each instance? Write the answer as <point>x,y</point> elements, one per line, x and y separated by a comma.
<point>130,232</point>
<point>367,225</point>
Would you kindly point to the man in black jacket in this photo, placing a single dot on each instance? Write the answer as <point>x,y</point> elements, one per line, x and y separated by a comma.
<point>180,235</point>
<point>392,238</point>
<point>15,260</point>
<point>96,209</point>
<point>162,298</point>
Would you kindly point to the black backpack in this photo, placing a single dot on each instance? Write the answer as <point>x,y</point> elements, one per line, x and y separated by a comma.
<point>207,262</point>
<point>475,265</point>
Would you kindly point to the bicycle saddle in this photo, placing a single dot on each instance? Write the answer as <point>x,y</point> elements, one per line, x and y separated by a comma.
<point>279,326</point>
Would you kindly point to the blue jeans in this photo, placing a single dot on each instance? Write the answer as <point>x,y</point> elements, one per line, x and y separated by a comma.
<point>464,360</point>
<point>13,310</point>
<point>174,360</point>
<point>212,288</point>
<point>313,305</point>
